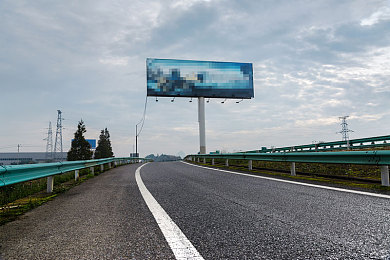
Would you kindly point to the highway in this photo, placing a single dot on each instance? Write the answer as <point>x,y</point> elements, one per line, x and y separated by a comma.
<point>223,215</point>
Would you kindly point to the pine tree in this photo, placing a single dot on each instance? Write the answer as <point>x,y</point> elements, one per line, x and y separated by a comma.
<point>81,149</point>
<point>104,149</point>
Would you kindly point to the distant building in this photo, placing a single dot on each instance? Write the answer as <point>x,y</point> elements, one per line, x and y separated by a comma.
<point>25,158</point>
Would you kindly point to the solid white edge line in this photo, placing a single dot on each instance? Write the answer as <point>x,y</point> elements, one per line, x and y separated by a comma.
<point>298,183</point>
<point>181,247</point>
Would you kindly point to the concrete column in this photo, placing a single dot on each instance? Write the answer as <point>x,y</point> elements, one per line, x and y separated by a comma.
<point>50,184</point>
<point>109,165</point>
<point>76,175</point>
<point>227,162</point>
<point>250,165</point>
<point>198,160</point>
<point>101,168</point>
<point>202,125</point>
<point>212,161</point>
<point>385,175</point>
<point>204,160</point>
<point>115,163</point>
<point>92,170</point>
<point>292,167</point>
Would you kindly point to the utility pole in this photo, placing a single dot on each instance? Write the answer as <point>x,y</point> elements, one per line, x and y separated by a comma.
<point>49,143</point>
<point>58,142</point>
<point>344,129</point>
<point>20,161</point>
<point>136,140</point>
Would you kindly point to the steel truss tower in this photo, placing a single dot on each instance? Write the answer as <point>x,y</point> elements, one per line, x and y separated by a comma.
<point>58,142</point>
<point>344,129</point>
<point>49,143</point>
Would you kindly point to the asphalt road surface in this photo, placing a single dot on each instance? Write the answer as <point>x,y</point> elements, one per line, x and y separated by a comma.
<point>223,215</point>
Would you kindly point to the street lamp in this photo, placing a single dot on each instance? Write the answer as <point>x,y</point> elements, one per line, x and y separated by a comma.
<point>136,138</point>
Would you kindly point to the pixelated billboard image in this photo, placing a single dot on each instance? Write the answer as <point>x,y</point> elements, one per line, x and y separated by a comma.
<point>189,78</point>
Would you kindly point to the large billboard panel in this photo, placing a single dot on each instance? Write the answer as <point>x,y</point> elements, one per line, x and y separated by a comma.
<point>92,143</point>
<point>190,78</point>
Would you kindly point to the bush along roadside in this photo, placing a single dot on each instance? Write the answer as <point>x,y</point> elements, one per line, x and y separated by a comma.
<point>19,198</point>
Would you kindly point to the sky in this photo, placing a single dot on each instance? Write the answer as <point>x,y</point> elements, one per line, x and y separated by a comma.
<point>313,62</point>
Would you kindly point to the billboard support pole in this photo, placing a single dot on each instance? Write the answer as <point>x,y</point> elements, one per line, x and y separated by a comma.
<point>202,125</point>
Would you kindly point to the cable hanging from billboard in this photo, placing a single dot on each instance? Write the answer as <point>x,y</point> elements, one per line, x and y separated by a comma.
<point>142,121</point>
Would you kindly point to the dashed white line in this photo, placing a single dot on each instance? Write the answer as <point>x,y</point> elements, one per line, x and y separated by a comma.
<point>181,247</point>
<point>298,183</point>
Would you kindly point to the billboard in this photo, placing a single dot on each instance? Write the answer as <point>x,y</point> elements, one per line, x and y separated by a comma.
<point>190,78</point>
<point>92,143</point>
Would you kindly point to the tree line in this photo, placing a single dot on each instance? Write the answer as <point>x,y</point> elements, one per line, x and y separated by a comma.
<point>81,149</point>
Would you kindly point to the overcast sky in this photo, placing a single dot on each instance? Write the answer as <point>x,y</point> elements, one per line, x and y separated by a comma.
<point>313,61</point>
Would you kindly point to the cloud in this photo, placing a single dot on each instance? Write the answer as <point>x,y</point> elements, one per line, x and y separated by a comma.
<point>313,62</point>
<point>382,14</point>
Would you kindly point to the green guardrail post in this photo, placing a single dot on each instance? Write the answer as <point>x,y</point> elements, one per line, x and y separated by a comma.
<point>292,169</point>
<point>385,175</point>
<point>250,165</point>
<point>50,184</point>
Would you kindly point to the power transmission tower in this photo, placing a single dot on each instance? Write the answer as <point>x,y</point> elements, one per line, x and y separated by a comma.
<point>344,129</point>
<point>58,142</point>
<point>49,143</point>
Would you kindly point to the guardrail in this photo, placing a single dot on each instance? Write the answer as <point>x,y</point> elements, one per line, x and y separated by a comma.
<point>12,174</point>
<point>361,143</point>
<point>379,158</point>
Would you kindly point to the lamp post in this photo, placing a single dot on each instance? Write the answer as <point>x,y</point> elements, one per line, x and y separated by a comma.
<point>136,138</point>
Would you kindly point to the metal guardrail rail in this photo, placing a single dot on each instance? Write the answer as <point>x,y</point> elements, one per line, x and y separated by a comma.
<point>12,174</point>
<point>379,158</point>
<point>361,143</point>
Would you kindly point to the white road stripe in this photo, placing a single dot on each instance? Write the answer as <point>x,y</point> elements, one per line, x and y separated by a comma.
<point>180,245</point>
<point>298,183</point>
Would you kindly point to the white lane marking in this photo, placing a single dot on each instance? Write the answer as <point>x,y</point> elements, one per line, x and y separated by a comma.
<point>179,243</point>
<point>298,183</point>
